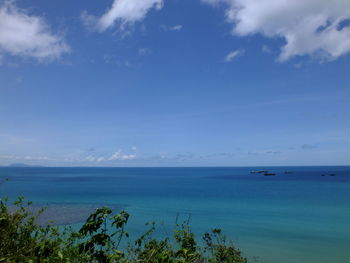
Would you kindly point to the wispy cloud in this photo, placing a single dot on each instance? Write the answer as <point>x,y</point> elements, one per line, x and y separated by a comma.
<point>308,146</point>
<point>124,12</point>
<point>263,152</point>
<point>266,49</point>
<point>116,156</point>
<point>119,156</point>
<point>144,51</point>
<point>171,28</point>
<point>234,55</point>
<point>27,35</point>
<point>25,158</point>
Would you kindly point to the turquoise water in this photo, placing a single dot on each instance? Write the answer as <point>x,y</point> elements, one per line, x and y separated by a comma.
<point>301,217</point>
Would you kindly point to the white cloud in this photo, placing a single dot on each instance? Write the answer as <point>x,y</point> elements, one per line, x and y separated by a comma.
<point>234,54</point>
<point>144,51</point>
<point>25,35</point>
<point>123,11</point>
<point>176,28</point>
<point>309,27</point>
<point>27,158</point>
<point>171,28</point>
<point>36,158</point>
<point>119,156</point>
<point>100,159</point>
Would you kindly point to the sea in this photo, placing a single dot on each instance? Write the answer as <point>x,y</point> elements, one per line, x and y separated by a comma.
<point>300,215</point>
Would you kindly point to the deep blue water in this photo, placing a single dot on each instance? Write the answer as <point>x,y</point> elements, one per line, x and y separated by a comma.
<point>301,217</point>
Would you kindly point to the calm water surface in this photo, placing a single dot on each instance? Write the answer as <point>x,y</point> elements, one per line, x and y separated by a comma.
<point>301,217</point>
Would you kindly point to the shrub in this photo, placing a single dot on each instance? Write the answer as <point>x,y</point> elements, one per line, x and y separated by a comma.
<point>99,240</point>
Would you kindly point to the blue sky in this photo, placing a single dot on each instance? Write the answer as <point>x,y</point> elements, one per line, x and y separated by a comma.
<point>174,82</point>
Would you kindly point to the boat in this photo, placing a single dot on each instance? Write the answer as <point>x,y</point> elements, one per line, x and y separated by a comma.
<point>269,174</point>
<point>259,172</point>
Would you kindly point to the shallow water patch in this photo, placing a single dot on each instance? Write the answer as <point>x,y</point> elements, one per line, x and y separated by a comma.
<point>67,214</point>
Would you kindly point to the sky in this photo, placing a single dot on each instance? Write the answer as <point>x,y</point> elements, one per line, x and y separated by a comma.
<point>175,82</point>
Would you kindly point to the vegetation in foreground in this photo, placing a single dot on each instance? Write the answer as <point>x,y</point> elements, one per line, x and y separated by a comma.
<point>99,240</point>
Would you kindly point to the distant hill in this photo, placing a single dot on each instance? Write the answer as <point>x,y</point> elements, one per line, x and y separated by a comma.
<point>22,165</point>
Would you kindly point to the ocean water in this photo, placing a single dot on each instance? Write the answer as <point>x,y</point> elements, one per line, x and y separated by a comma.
<point>301,217</point>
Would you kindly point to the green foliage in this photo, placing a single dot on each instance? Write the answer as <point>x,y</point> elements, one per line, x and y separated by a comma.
<point>99,240</point>
<point>22,240</point>
<point>220,251</point>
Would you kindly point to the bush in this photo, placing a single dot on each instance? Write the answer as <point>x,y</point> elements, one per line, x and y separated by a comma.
<point>99,240</point>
